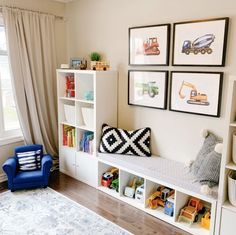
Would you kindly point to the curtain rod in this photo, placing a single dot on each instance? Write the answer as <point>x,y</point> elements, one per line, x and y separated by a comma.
<point>46,13</point>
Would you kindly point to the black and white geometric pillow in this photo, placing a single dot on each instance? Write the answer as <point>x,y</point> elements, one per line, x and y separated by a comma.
<point>29,161</point>
<point>115,140</point>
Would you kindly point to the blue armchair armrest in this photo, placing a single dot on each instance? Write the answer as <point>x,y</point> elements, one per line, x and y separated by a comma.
<point>46,165</point>
<point>10,169</point>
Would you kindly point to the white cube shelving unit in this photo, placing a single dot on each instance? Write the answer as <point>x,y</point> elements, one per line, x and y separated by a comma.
<point>103,84</point>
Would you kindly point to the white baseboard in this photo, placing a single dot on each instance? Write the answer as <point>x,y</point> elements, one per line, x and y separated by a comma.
<point>3,177</point>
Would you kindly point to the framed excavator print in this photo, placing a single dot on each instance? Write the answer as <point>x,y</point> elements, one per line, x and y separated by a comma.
<point>148,88</point>
<point>196,92</point>
<point>200,43</point>
<point>149,45</point>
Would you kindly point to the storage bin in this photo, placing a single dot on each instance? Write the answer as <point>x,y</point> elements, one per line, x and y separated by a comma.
<point>88,116</point>
<point>232,187</point>
<point>69,113</point>
<point>234,148</point>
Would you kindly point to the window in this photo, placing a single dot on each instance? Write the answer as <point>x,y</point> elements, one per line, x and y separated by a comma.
<point>9,123</point>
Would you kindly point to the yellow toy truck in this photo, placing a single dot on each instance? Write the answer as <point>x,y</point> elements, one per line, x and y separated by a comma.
<point>206,220</point>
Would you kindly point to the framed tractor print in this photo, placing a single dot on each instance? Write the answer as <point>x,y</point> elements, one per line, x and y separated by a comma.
<point>200,43</point>
<point>149,45</point>
<point>148,88</point>
<point>196,92</point>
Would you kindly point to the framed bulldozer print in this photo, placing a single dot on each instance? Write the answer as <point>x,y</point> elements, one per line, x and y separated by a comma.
<point>196,92</point>
<point>149,45</point>
<point>148,88</point>
<point>200,43</point>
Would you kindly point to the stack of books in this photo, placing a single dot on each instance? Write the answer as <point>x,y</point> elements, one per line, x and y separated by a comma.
<point>86,143</point>
<point>70,86</point>
<point>68,136</point>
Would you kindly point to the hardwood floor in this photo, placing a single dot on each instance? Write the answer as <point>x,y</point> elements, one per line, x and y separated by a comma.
<point>120,213</point>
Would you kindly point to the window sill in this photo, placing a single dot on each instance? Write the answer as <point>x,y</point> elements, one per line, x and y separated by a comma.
<point>11,140</point>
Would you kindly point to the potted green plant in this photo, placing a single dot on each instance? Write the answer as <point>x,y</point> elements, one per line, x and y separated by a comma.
<point>94,56</point>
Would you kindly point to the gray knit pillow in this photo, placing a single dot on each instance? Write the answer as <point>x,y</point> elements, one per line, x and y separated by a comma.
<point>208,146</point>
<point>209,171</point>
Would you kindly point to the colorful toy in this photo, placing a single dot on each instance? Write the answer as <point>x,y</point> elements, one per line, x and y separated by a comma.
<point>101,66</point>
<point>109,176</point>
<point>134,183</point>
<point>115,185</point>
<point>169,206</point>
<point>159,197</point>
<point>139,194</point>
<point>130,190</point>
<point>189,213</point>
<point>206,220</point>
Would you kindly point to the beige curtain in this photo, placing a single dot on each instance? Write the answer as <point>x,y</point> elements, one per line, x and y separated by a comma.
<point>31,47</point>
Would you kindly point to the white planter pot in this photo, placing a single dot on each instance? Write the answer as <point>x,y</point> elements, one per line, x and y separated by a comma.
<point>232,187</point>
<point>234,148</point>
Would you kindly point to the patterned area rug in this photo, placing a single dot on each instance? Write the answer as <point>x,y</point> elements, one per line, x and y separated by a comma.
<point>46,212</point>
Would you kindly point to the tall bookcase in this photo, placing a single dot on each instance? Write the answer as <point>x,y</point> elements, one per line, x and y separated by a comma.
<point>86,100</point>
<point>226,213</point>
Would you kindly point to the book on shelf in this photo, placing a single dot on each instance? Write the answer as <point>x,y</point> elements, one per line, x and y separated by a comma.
<point>68,136</point>
<point>70,86</point>
<point>86,143</point>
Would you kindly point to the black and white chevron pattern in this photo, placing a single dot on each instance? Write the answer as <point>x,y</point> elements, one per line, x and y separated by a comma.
<point>29,161</point>
<point>121,141</point>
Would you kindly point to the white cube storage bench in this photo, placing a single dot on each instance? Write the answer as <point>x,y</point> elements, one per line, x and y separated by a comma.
<point>158,171</point>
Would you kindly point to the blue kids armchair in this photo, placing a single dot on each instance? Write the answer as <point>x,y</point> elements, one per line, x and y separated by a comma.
<point>22,174</point>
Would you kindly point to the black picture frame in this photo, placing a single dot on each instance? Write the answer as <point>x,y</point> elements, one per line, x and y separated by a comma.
<point>164,92</point>
<point>155,61</point>
<point>197,39</point>
<point>207,74</point>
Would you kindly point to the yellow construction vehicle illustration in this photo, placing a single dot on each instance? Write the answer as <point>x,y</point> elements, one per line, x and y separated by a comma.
<point>195,97</point>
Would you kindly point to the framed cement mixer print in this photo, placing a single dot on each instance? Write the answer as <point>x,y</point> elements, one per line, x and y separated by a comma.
<point>148,88</point>
<point>196,92</point>
<point>149,45</point>
<point>200,43</point>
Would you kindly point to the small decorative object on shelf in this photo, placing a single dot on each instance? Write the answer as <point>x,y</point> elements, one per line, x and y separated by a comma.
<point>89,95</point>
<point>83,65</point>
<point>65,66</point>
<point>75,63</point>
<point>94,56</point>
<point>68,136</point>
<point>86,143</point>
<point>189,213</point>
<point>101,66</point>
<point>70,86</point>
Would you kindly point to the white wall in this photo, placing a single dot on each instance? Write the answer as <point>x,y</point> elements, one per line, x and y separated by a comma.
<point>103,26</point>
<point>47,6</point>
